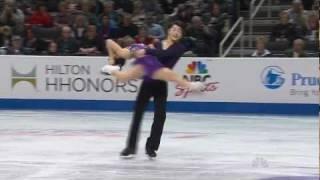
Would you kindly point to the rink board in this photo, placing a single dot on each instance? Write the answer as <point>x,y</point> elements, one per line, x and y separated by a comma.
<point>266,86</point>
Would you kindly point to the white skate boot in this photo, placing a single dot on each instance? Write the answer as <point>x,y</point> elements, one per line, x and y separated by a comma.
<point>109,69</point>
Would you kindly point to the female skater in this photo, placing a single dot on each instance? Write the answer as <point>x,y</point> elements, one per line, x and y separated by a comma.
<point>144,65</point>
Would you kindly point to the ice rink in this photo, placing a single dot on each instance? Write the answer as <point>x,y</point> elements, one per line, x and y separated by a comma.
<point>55,145</point>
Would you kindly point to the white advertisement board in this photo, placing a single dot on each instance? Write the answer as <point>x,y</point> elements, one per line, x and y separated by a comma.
<point>227,80</point>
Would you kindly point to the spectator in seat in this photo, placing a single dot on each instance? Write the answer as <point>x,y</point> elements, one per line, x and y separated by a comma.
<point>284,31</point>
<point>298,16</point>
<point>127,28</point>
<point>108,10</point>
<point>41,17</point>
<point>184,13</point>
<point>105,30</point>
<point>5,36</point>
<point>27,8</point>
<point>298,49</point>
<point>53,49</point>
<point>16,47</point>
<point>73,9</point>
<point>216,21</point>
<point>79,26</point>
<point>86,10</point>
<point>143,36</point>
<point>63,17</point>
<point>67,45</point>
<point>261,50</point>
<point>203,39</point>
<point>313,27</point>
<point>139,14</point>
<point>91,43</point>
<point>30,41</point>
<point>154,30</point>
<point>13,17</point>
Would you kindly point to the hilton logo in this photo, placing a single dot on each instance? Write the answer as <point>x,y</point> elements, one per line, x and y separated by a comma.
<point>20,77</point>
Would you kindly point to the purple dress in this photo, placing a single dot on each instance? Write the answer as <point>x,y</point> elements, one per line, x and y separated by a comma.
<point>150,63</point>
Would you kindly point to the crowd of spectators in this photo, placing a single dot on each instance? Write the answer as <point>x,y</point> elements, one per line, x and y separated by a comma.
<point>297,27</point>
<point>79,27</point>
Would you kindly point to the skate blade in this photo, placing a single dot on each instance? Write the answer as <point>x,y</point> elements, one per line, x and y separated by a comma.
<point>151,158</point>
<point>132,156</point>
<point>105,73</point>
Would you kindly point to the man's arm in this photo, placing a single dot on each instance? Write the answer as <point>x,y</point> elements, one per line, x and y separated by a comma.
<point>159,53</point>
<point>185,45</point>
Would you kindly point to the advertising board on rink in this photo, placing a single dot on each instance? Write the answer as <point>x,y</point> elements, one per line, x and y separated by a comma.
<point>228,82</point>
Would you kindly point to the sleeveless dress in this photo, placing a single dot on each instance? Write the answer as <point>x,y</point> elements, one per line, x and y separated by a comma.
<point>150,63</point>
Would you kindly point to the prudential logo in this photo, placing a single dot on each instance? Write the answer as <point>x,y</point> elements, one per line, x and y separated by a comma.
<point>271,77</point>
<point>18,77</point>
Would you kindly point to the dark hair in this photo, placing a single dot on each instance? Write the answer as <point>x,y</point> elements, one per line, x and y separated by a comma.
<point>177,23</point>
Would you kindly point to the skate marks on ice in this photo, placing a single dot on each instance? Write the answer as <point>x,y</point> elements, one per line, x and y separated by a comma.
<point>86,145</point>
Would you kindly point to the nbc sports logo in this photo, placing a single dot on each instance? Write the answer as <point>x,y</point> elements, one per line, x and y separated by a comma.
<point>197,67</point>
<point>18,77</point>
<point>197,71</point>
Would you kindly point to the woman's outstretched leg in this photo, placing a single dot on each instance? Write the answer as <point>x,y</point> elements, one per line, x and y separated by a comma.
<point>167,74</point>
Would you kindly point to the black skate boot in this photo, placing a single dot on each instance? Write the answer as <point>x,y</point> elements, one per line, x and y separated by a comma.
<point>128,153</point>
<point>151,153</point>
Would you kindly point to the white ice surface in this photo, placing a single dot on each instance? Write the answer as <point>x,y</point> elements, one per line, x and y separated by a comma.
<point>50,145</point>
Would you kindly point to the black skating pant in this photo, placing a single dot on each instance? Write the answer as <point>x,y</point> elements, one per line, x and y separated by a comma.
<point>159,91</point>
